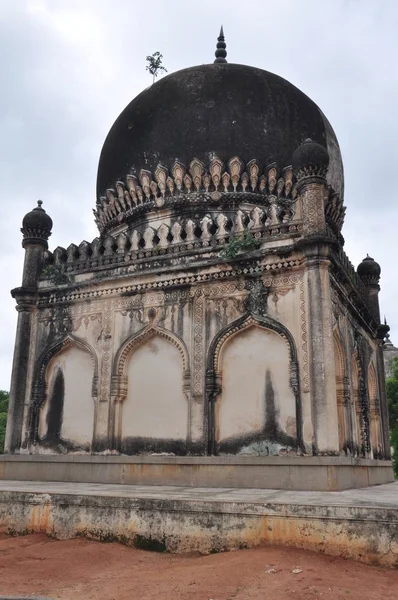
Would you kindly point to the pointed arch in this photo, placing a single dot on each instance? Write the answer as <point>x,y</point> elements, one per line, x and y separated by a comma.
<point>142,336</point>
<point>213,372</point>
<point>38,394</point>
<point>339,354</point>
<point>242,323</point>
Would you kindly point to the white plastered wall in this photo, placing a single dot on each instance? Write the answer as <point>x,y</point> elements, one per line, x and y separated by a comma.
<point>244,361</point>
<point>156,406</point>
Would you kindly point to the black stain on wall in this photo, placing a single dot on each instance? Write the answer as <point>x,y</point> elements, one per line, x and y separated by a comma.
<point>271,426</point>
<point>271,432</point>
<point>56,407</point>
<point>146,445</point>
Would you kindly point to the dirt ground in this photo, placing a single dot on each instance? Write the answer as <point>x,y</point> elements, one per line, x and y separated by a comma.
<point>74,569</point>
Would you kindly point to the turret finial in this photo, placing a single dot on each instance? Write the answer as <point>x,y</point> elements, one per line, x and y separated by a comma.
<point>221,51</point>
<point>39,203</point>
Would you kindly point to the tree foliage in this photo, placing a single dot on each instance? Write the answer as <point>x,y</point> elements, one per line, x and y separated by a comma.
<point>4,396</point>
<point>154,65</point>
<point>55,275</point>
<point>239,243</point>
<point>392,394</point>
<point>392,399</point>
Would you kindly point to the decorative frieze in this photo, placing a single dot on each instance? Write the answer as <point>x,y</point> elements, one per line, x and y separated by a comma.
<point>194,184</point>
<point>160,284</point>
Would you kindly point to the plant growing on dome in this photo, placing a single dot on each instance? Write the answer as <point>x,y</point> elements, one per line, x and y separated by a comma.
<point>154,65</point>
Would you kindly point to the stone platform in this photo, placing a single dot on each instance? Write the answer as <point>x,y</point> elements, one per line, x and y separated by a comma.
<point>360,524</point>
<point>314,473</point>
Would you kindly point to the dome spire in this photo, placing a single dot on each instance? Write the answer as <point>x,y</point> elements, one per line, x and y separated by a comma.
<point>221,51</point>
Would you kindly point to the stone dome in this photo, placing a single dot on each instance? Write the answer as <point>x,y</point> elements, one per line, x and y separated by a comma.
<point>310,153</point>
<point>217,109</point>
<point>37,220</point>
<point>369,269</point>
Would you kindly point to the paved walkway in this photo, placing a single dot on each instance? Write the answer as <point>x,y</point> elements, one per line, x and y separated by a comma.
<point>379,496</point>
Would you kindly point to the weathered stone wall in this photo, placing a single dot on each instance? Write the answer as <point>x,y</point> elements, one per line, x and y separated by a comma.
<point>219,361</point>
<point>152,339</point>
<point>147,355</point>
<point>361,525</point>
<point>359,382</point>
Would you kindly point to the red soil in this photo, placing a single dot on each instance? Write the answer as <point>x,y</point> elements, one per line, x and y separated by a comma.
<point>78,568</point>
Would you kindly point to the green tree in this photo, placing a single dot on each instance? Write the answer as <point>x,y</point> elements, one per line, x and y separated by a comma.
<point>154,65</point>
<point>392,398</point>
<point>392,394</point>
<point>4,396</point>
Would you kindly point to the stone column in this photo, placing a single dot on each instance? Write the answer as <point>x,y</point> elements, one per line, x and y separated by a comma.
<point>36,229</point>
<point>310,163</point>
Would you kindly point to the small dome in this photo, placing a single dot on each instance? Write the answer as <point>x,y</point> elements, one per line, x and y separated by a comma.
<point>369,269</point>
<point>37,223</point>
<point>310,154</point>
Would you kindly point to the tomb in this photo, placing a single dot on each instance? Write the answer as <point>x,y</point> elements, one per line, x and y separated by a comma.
<point>215,332</point>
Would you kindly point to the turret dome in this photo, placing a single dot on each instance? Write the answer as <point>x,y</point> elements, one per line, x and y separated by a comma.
<point>310,154</point>
<point>37,224</point>
<point>369,270</point>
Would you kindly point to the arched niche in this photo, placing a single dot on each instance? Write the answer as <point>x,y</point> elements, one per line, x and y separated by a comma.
<point>375,421</point>
<point>342,393</point>
<point>253,389</point>
<point>151,404</point>
<point>63,402</point>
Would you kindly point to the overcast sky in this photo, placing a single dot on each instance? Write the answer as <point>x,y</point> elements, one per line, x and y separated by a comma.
<point>69,67</point>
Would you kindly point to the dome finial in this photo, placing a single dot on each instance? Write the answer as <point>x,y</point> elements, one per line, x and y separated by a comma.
<point>221,51</point>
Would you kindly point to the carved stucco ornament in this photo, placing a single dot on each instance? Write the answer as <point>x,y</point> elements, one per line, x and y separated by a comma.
<point>257,300</point>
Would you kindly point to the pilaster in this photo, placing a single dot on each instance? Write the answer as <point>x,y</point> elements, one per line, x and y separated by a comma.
<point>25,303</point>
<point>310,163</point>
<point>36,229</point>
<point>322,366</point>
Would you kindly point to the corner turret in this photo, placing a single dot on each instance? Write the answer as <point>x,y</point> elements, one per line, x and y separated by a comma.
<point>310,163</point>
<point>36,229</point>
<point>369,271</point>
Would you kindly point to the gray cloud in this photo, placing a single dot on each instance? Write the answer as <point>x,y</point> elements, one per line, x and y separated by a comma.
<point>68,68</point>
